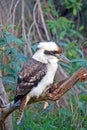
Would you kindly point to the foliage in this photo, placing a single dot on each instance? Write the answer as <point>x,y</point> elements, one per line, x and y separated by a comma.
<point>67,28</point>
<point>65,32</point>
<point>72,118</point>
<point>11,56</point>
<point>75,5</point>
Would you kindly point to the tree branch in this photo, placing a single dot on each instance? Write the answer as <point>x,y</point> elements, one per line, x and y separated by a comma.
<point>55,92</point>
<point>42,19</point>
<point>7,125</point>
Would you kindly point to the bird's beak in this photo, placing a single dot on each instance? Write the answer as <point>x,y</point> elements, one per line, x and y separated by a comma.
<point>64,59</point>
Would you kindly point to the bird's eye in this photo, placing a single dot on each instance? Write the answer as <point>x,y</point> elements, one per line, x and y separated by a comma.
<point>55,52</point>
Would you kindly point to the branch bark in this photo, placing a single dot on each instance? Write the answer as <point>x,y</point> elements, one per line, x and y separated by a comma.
<point>42,20</point>
<point>55,92</point>
<point>7,124</point>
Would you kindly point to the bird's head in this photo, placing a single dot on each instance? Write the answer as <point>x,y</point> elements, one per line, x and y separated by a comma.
<point>50,51</point>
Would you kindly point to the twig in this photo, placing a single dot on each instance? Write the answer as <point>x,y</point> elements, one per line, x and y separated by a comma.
<point>23,21</point>
<point>34,23</point>
<point>23,29</point>
<point>13,14</point>
<point>11,5</point>
<point>42,19</point>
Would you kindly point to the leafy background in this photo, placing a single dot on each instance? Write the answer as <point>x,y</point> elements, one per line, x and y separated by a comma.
<point>66,24</point>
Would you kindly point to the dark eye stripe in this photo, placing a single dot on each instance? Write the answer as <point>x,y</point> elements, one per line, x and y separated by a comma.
<point>50,52</point>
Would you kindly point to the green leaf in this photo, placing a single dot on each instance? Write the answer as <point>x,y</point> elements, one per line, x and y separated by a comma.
<point>34,46</point>
<point>80,52</point>
<point>65,65</point>
<point>9,26</point>
<point>10,50</point>
<point>20,56</point>
<point>10,38</point>
<point>65,112</point>
<point>74,11</point>
<point>62,34</point>
<point>81,28</point>
<point>83,128</point>
<point>81,106</point>
<point>73,1</point>
<point>1,34</point>
<point>17,40</point>
<point>78,60</point>
<point>2,42</point>
<point>83,96</point>
<point>15,66</point>
<point>8,80</point>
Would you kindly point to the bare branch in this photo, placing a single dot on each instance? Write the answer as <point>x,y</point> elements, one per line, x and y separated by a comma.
<point>24,30</point>
<point>13,14</point>
<point>34,23</point>
<point>3,101</point>
<point>11,6</point>
<point>42,19</point>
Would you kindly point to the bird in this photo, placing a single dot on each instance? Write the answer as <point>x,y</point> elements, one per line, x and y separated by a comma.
<point>38,73</point>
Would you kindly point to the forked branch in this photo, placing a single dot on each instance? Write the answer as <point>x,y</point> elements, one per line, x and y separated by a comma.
<point>55,92</point>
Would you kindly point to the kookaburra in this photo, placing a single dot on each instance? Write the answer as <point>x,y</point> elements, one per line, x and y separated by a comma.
<point>37,74</point>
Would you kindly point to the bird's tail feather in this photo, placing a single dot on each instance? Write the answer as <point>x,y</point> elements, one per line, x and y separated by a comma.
<point>21,110</point>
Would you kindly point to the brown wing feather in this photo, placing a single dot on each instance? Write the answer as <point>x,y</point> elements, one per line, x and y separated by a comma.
<point>30,75</point>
